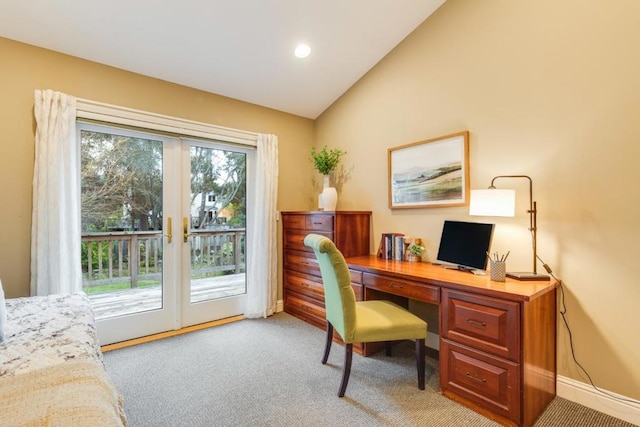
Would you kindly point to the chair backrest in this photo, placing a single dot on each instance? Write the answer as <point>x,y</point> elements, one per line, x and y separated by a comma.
<point>339,298</point>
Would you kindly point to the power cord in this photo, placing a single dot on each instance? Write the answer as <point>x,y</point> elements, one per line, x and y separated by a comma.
<point>563,313</point>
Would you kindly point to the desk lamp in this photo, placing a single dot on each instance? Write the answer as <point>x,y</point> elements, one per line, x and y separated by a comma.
<point>496,202</point>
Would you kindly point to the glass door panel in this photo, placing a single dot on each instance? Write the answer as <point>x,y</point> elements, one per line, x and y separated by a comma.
<point>122,214</point>
<point>121,210</point>
<point>217,212</point>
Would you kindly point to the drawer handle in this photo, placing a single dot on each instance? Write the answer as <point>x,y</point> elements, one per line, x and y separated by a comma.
<point>476,323</point>
<point>317,223</point>
<point>393,285</point>
<point>473,377</point>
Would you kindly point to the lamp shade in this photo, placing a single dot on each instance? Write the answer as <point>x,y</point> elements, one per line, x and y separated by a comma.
<point>493,202</point>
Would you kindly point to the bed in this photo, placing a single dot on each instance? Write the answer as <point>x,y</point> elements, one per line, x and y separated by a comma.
<point>51,367</point>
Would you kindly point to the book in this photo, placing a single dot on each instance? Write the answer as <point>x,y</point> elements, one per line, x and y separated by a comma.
<point>391,246</point>
<point>398,247</point>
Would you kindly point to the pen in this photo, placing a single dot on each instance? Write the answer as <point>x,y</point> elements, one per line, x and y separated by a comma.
<point>505,257</point>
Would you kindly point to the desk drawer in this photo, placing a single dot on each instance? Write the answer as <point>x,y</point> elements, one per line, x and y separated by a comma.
<point>405,288</point>
<point>485,323</point>
<point>488,381</point>
<point>356,277</point>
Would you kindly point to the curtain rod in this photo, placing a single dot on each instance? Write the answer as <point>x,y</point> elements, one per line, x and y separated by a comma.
<point>95,110</point>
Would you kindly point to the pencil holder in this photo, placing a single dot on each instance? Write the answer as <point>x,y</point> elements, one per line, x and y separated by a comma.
<point>498,271</point>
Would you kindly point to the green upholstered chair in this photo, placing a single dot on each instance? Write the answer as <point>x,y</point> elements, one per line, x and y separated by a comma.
<point>361,321</point>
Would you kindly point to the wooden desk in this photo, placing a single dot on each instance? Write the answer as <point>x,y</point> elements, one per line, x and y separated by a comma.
<point>497,339</point>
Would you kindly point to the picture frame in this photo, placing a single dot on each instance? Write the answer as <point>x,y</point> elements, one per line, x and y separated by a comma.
<point>433,173</point>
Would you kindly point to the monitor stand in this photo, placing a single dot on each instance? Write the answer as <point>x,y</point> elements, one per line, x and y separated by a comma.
<point>463,268</point>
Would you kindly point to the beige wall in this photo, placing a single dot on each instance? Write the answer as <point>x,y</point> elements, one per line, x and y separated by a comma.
<point>546,88</point>
<point>25,68</point>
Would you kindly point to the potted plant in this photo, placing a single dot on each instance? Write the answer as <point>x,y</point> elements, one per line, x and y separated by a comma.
<point>326,161</point>
<point>414,251</point>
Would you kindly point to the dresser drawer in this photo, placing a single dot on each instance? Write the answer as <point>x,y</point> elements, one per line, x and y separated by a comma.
<point>488,381</point>
<point>304,308</point>
<point>304,262</point>
<point>304,284</point>
<point>311,287</point>
<point>295,239</point>
<point>485,323</point>
<point>296,222</point>
<point>405,288</point>
<point>319,223</point>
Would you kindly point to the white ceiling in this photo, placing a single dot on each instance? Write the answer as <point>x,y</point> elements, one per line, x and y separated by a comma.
<point>242,49</point>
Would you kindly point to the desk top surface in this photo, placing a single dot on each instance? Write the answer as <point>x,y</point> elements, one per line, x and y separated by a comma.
<point>437,275</point>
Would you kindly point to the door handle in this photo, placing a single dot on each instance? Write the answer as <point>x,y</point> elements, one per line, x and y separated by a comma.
<point>185,229</point>
<point>170,230</point>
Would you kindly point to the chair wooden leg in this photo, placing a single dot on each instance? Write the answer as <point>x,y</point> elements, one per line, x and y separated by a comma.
<point>327,345</point>
<point>387,348</point>
<point>420,362</point>
<point>346,371</point>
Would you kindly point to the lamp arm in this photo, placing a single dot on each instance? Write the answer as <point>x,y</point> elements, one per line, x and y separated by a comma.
<point>532,214</point>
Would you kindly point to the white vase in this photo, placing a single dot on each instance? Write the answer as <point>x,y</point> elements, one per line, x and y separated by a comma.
<point>329,195</point>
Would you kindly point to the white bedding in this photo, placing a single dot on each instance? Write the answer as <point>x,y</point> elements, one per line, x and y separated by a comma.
<point>73,394</point>
<point>47,330</point>
<point>51,367</point>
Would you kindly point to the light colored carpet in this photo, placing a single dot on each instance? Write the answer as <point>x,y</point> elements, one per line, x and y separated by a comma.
<point>268,373</point>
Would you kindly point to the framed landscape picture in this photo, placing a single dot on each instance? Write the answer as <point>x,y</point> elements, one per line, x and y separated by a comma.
<point>431,173</point>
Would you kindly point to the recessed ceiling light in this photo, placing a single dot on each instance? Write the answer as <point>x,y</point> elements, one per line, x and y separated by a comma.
<point>302,50</point>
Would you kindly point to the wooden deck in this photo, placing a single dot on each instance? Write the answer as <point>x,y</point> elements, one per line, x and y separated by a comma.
<point>129,301</point>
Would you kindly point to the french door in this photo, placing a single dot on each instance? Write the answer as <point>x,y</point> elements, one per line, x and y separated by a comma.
<point>214,217</point>
<point>163,230</point>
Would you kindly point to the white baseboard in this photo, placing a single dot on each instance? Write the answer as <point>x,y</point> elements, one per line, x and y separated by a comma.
<point>586,395</point>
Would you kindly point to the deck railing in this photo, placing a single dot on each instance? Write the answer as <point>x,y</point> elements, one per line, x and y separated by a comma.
<point>117,257</point>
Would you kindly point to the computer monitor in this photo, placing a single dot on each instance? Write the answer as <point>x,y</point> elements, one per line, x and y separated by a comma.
<point>465,244</point>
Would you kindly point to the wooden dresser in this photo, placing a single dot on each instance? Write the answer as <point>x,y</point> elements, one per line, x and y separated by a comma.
<point>303,292</point>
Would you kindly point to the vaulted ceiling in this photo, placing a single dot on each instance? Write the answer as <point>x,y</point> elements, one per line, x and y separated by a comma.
<point>241,49</point>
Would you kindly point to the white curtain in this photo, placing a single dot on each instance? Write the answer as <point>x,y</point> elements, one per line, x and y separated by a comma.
<point>55,226</point>
<point>262,276</point>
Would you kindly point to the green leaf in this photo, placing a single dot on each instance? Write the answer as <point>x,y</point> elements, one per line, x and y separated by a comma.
<point>325,161</point>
